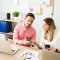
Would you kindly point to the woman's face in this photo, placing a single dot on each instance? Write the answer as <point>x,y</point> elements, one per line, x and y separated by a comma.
<point>45,26</point>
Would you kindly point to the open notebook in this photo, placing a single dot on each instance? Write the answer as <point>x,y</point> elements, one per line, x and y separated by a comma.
<point>6,47</point>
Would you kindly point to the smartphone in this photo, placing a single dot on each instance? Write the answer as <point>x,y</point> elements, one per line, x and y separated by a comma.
<point>29,39</point>
<point>47,46</point>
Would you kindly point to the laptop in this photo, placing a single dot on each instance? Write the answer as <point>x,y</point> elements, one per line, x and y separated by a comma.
<point>7,48</point>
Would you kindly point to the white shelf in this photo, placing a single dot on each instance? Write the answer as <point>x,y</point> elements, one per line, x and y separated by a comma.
<point>10,20</point>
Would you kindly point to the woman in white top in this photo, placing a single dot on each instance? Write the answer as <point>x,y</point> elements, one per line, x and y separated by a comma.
<point>50,34</point>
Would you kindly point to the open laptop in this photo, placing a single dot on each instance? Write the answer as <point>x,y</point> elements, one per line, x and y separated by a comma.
<point>6,47</point>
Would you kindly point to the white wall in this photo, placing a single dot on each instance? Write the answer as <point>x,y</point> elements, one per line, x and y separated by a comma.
<point>56,15</point>
<point>7,6</point>
<point>4,8</point>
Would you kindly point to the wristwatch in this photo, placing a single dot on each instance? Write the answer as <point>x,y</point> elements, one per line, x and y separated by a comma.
<point>56,50</point>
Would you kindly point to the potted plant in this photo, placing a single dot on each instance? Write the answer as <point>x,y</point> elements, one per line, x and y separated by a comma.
<point>15,14</point>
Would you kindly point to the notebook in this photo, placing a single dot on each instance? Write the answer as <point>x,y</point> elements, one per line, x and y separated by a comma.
<point>7,48</point>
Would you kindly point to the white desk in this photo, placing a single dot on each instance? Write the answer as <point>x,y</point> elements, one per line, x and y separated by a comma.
<point>13,57</point>
<point>44,55</point>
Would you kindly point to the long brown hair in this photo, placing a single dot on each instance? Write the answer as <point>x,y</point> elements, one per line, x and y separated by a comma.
<point>52,26</point>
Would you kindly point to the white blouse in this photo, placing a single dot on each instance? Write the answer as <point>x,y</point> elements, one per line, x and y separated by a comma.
<point>55,43</point>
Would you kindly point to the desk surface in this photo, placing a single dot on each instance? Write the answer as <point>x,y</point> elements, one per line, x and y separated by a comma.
<point>7,57</point>
<point>22,48</point>
<point>13,57</point>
